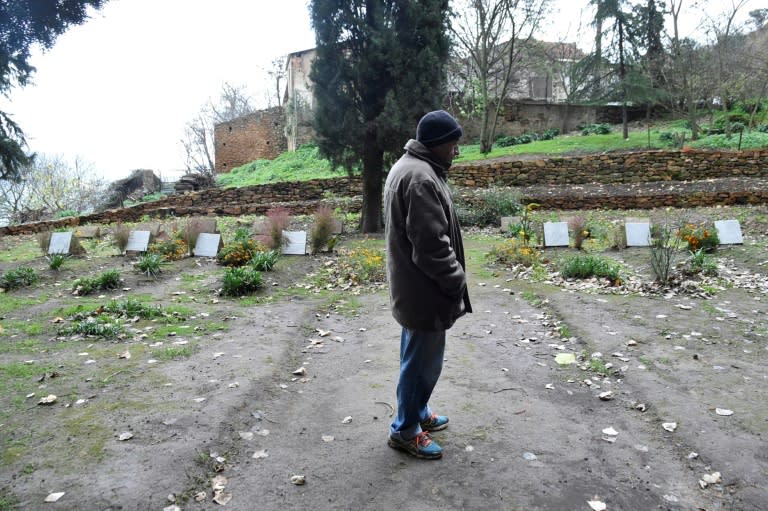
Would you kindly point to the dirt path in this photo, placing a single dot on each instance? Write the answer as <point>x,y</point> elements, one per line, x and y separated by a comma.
<point>525,433</point>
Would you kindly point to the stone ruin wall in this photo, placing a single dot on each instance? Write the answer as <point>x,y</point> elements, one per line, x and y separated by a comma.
<point>607,169</point>
<point>256,136</point>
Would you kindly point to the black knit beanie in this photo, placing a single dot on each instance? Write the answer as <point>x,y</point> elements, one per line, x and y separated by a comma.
<point>437,128</point>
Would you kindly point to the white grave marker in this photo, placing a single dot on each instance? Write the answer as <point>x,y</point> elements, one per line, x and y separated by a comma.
<point>138,241</point>
<point>297,242</point>
<point>207,245</point>
<point>60,242</point>
<point>555,234</point>
<point>729,232</point>
<point>638,234</point>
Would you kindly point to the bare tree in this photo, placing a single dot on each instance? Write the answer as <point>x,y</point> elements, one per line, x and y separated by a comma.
<point>48,186</point>
<point>725,32</point>
<point>683,73</point>
<point>198,145</point>
<point>491,36</point>
<point>277,73</point>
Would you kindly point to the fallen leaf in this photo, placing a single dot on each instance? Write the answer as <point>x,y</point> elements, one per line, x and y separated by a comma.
<point>47,400</point>
<point>218,483</point>
<point>597,505</point>
<point>298,480</point>
<point>54,497</point>
<point>565,359</point>
<point>222,498</point>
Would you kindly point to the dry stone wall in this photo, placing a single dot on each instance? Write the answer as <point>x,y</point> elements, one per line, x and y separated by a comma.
<point>637,180</point>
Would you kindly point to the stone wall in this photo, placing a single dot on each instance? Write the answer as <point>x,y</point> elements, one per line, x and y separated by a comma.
<point>256,136</point>
<point>634,180</point>
<point>634,167</point>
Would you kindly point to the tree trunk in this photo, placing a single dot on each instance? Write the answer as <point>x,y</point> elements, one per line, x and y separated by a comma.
<point>372,218</point>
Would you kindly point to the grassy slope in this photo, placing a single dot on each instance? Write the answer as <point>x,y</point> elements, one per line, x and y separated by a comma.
<point>306,163</point>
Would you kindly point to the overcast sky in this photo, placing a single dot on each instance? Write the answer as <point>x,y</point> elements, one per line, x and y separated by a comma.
<point>118,90</point>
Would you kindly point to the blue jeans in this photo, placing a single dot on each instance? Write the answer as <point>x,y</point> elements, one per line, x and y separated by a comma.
<point>421,361</point>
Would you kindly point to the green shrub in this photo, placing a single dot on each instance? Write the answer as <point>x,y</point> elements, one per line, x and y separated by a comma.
<point>701,262</point>
<point>237,253</point>
<point>264,261</point>
<point>18,277</point>
<point>514,251</point>
<point>596,129</point>
<point>584,266</point>
<point>240,281</point>
<point>171,249</point>
<point>110,279</point>
<point>241,234</point>
<point>506,141</point>
<point>56,260</point>
<point>150,264</point>
<point>489,207</point>
<point>98,326</point>
<point>131,308</point>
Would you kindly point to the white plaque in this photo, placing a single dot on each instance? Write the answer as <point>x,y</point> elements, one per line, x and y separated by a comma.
<point>138,241</point>
<point>638,234</point>
<point>60,242</point>
<point>207,245</point>
<point>297,242</point>
<point>729,232</point>
<point>556,234</point>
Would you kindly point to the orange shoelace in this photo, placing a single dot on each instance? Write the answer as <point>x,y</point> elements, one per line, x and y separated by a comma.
<point>423,439</point>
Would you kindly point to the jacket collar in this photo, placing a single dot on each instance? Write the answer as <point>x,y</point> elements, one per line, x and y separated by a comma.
<point>422,152</point>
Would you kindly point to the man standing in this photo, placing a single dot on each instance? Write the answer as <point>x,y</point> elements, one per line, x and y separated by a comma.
<point>426,274</point>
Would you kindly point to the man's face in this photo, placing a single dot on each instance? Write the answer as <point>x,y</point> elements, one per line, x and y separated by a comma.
<point>448,151</point>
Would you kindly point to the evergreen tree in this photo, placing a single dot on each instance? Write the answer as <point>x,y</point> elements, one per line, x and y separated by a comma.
<point>24,23</point>
<point>379,67</point>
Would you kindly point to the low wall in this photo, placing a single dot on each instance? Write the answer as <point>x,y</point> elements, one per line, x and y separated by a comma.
<point>625,168</point>
<point>637,180</point>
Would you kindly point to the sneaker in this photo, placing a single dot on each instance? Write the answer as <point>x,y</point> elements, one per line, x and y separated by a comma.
<point>435,423</point>
<point>422,446</point>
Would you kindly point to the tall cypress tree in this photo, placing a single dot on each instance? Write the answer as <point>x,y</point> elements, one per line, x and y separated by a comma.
<point>380,65</point>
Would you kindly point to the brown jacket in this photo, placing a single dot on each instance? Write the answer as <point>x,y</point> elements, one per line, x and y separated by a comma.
<point>425,251</point>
